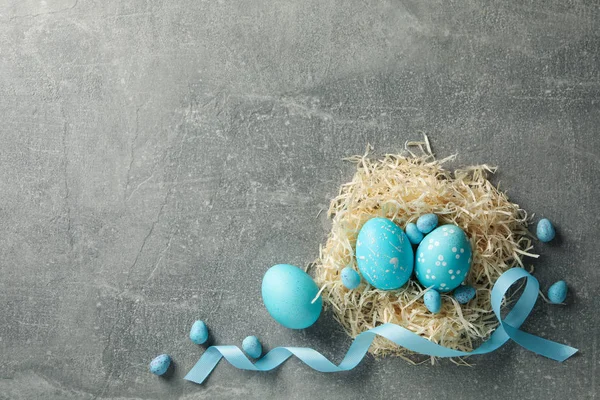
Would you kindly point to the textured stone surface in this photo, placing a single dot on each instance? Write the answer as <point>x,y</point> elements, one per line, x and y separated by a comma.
<point>159,156</point>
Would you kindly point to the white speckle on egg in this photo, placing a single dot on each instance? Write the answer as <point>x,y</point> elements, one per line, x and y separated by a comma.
<point>462,250</point>
<point>440,257</point>
<point>444,263</point>
<point>452,277</point>
<point>454,249</point>
<point>450,271</point>
<point>437,263</point>
<point>457,256</point>
<point>430,247</point>
<point>432,276</point>
<point>437,243</point>
<point>458,272</point>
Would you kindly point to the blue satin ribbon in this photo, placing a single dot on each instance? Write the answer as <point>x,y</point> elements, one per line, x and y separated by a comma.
<point>508,328</point>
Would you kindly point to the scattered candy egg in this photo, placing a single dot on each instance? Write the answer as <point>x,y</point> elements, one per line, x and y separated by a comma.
<point>463,294</point>
<point>433,301</point>
<point>287,292</point>
<point>443,258</point>
<point>160,364</point>
<point>545,230</point>
<point>199,332</point>
<point>414,234</point>
<point>252,346</point>
<point>384,255</point>
<point>557,293</point>
<point>350,278</point>
<point>426,223</point>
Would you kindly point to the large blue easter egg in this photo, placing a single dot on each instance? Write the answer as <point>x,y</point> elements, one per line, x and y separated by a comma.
<point>443,258</point>
<point>288,292</point>
<point>384,255</point>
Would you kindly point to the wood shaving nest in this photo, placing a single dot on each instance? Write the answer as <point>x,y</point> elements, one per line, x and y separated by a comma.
<point>402,187</point>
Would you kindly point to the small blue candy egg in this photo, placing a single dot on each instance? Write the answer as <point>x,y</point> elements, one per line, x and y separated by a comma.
<point>288,294</point>
<point>252,346</point>
<point>350,278</point>
<point>464,294</point>
<point>160,364</point>
<point>384,255</point>
<point>199,332</point>
<point>545,230</point>
<point>427,222</point>
<point>557,293</point>
<point>433,301</point>
<point>414,234</point>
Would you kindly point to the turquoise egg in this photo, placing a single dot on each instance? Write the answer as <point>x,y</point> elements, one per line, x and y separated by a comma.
<point>464,294</point>
<point>199,332</point>
<point>557,293</point>
<point>433,301</point>
<point>413,233</point>
<point>443,258</point>
<point>545,230</point>
<point>350,278</point>
<point>287,292</point>
<point>384,255</point>
<point>252,346</point>
<point>160,364</point>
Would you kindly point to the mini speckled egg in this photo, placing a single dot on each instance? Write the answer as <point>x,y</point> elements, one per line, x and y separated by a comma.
<point>413,233</point>
<point>426,223</point>
<point>464,294</point>
<point>433,301</point>
<point>252,346</point>
<point>350,278</point>
<point>199,332</point>
<point>384,255</point>
<point>160,364</point>
<point>443,258</point>
<point>287,293</point>
<point>557,293</point>
<point>545,230</point>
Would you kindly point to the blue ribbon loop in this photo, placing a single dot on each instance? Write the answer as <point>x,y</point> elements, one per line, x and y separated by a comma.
<point>508,328</point>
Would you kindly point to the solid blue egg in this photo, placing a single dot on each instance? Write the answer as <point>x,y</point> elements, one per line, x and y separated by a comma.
<point>557,293</point>
<point>545,230</point>
<point>160,364</point>
<point>350,278</point>
<point>443,258</point>
<point>433,301</point>
<point>199,332</point>
<point>288,292</point>
<point>464,294</point>
<point>413,233</point>
<point>252,346</point>
<point>384,255</point>
<point>426,223</point>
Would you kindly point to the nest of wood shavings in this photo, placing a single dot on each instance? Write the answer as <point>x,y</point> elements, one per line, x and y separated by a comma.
<point>403,187</point>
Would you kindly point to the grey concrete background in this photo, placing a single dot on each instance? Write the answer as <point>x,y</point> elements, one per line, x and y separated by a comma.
<point>158,156</point>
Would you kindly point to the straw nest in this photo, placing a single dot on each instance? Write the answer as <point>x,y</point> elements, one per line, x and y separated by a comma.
<point>403,187</point>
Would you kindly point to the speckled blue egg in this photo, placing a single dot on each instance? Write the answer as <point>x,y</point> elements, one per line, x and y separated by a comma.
<point>464,294</point>
<point>350,278</point>
<point>413,233</point>
<point>545,230</point>
<point>433,301</point>
<point>160,364</point>
<point>252,346</point>
<point>384,255</point>
<point>443,258</point>
<point>426,223</point>
<point>287,292</point>
<point>557,293</point>
<point>199,332</point>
